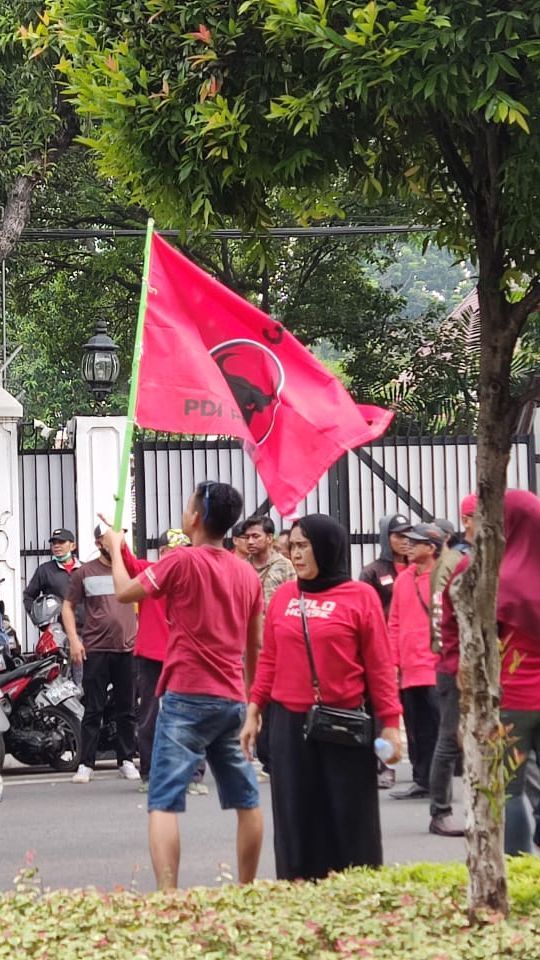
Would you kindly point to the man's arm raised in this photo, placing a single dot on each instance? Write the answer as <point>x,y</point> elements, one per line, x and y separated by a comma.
<point>127,590</point>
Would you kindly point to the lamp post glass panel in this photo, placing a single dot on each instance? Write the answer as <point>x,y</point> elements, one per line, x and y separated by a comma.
<point>100,365</point>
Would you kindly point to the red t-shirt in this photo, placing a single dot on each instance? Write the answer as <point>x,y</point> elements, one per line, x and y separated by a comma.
<point>211,597</point>
<point>520,671</point>
<point>152,626</point>
<point>350,646</point>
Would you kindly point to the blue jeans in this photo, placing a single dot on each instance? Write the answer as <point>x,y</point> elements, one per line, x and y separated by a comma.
<point>526,731</point>
<point>188,729</point>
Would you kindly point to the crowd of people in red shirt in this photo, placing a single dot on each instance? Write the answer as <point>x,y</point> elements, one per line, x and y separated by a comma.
<point>413,577</point>
<point>218,627</point>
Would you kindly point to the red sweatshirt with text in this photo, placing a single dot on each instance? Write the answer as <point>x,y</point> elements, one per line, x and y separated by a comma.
<point>350,648</point>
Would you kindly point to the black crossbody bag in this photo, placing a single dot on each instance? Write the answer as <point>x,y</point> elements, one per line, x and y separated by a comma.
<point>349,728</point>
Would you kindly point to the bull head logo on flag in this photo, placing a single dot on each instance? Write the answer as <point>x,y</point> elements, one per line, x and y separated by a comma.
<point>255,378</point>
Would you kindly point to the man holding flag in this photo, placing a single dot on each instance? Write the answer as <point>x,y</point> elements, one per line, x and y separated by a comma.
<point>208,362</point>
<point>214,609</point>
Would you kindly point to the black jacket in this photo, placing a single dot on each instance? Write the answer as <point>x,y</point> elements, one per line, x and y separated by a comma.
<point>382,572</point>
<point>50,577</point>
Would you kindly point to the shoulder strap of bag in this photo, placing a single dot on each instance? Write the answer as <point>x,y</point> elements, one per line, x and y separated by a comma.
<point>314,678</point>
<point>421,599</point>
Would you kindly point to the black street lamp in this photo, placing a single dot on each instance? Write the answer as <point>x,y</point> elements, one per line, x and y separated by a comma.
<point>100,365</point>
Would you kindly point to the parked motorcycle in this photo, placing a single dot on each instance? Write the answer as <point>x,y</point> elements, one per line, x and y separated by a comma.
<point>44,712</point>
<point>52,641</point>
<point>4,725</point>
<point>9,643</point>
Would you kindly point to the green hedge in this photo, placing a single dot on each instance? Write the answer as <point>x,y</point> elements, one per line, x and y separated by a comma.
<point>403,913</point>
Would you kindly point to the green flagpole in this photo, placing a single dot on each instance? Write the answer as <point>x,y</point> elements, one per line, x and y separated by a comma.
<point>128,436</point>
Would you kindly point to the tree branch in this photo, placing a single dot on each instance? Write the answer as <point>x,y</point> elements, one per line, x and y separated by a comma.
<point>531,394</point>
<point>265,290</point>
<point>65,133</point>
<point>531,301</point>
<point>456,165</point>
<point>19,196</point>
<point>16,212</point>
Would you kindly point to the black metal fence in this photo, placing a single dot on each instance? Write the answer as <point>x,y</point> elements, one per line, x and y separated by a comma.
<point>424,477</point>
<point>48,499</point>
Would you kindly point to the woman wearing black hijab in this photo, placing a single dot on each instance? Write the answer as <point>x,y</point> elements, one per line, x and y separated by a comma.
<point>324,795</point>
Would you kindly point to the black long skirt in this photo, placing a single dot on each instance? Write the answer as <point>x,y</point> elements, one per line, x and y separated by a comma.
<point>324,802</point>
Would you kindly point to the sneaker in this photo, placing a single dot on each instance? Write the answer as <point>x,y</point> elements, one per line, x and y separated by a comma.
<point>260,772</point>
<point>197,789</point>
<point>415,792</point>
<point>444,825</point>
<point>129,771</point>
<point>386,778</point>
<point>83,775</point>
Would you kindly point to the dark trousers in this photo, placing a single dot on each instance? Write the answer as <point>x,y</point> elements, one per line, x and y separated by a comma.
<point>421,716</point>
<point>447,750</point>
<point>148,672</point>
<point>324,802</point>
<point>100,669</point>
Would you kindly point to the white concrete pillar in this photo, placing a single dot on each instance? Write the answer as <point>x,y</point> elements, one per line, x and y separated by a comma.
<point>98,449</point>
<point>11,412</point>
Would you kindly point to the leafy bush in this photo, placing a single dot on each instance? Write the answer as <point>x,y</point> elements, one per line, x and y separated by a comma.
<point>415,912</point>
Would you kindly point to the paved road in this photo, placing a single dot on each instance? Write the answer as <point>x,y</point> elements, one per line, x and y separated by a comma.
<point>95,834</point>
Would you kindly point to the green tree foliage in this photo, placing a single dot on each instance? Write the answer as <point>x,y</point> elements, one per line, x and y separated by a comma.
<point>429,278</point>
<point>57,291</point>
<point>37,124</point>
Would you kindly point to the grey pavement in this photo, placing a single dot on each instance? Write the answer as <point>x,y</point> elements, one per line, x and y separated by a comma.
<point>95,834</point>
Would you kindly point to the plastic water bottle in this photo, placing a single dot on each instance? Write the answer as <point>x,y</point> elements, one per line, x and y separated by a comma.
<point>383,749</point>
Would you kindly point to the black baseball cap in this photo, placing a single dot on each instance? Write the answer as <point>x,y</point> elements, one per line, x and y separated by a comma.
<point>446,526</point>
<point>427,533</point>
<point>62,534</point>
<point>399,524</point>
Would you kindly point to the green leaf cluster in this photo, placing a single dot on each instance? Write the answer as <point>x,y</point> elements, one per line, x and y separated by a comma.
<point>29,95</point>
<point>203,106</point>
<point>415,912</point>
<point>56,291</point>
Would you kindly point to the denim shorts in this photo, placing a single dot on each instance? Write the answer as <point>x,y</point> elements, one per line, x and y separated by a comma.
<point>189,729</point>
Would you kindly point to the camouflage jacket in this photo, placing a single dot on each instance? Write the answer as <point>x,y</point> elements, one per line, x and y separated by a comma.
<point>278,570</point>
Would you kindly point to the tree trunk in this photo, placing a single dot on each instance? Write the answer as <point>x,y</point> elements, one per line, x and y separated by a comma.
<point>16,213</point>
<point>18,204</point>
<point>475,603</point>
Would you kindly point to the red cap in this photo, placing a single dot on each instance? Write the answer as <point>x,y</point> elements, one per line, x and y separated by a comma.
<point>468,505</point>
